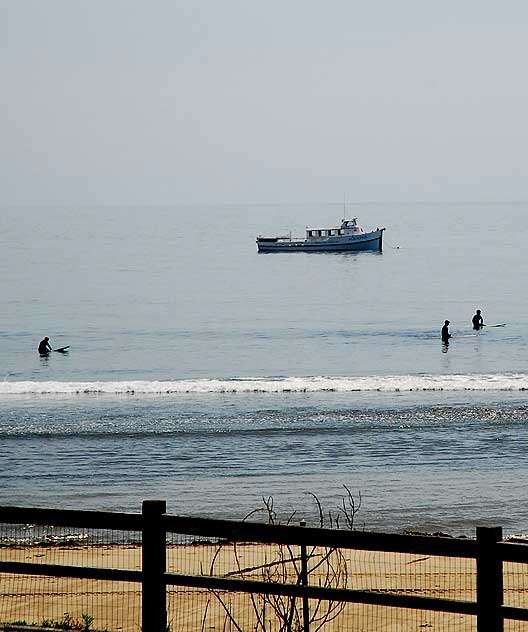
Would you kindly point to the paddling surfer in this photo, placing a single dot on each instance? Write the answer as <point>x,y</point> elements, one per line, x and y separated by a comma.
<point>44,346</point>
<point>445,333</point>
<point>477,320</point>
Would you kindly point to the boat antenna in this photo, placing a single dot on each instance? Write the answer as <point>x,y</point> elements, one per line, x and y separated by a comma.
<point>344,205</point>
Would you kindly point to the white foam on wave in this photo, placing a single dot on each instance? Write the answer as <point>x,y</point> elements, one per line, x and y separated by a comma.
<point>387,383</point>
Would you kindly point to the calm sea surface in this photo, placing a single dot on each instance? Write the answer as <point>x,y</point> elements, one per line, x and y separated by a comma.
<point>209,375</point>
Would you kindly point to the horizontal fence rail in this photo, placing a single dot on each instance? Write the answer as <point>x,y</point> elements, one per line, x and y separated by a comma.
<point>362,540</point>
<point>154,526</point>
<point>331,594</point>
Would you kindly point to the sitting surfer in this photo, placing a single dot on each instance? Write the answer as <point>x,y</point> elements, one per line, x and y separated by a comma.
<point>44,346</point>
<point>445,333</point>
<point>477,320</point>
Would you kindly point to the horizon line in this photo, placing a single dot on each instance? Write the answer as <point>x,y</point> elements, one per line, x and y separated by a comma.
<point>255,204</point>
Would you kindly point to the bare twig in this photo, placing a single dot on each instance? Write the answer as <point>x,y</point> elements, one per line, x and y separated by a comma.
<point>321,514</point>
<point>227,611</point>
<point>327,567</point>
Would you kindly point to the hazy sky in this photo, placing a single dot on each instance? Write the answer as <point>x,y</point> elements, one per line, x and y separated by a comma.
<point>218,101</point>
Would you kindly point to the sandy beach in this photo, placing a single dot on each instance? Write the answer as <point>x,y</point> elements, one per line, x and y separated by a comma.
<point>117,605</point>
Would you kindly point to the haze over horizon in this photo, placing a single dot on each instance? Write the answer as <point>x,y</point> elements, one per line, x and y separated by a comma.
<point>180,103</point>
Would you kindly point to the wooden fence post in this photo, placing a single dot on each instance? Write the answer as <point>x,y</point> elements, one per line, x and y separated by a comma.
<point>154,565</point>
<point>304,582</point>
<point>489,581</point>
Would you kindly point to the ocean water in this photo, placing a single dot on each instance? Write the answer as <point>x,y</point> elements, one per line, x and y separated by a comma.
<point>211,376</point>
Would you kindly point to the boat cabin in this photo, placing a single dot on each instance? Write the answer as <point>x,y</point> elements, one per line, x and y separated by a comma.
<point>348,227</point>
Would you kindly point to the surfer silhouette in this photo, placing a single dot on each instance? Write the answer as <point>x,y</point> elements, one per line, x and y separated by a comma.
<point>477,320</point>
<point>44,346</point>
<point>445,333</point>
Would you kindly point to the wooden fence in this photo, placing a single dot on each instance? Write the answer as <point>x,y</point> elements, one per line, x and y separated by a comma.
<point>487,549</point>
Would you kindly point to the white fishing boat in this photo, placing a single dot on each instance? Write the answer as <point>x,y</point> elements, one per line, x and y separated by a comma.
<point>349,236</point>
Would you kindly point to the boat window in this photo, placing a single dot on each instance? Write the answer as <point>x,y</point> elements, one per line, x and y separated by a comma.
<point>341,231</point>
<point>333,232</point>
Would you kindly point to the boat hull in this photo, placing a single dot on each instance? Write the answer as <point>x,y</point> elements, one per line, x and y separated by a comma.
<point>352,243</point>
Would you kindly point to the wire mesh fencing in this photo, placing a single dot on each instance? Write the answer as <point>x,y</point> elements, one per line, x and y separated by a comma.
<point>70,602</point>
<point>369,571</point>
<point>155,572</point>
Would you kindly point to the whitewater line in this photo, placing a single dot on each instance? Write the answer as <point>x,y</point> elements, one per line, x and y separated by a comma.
<point>389,383</point>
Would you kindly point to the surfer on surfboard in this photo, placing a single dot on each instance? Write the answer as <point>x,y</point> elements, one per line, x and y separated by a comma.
<point>44,346</point>
<point>477,320</point>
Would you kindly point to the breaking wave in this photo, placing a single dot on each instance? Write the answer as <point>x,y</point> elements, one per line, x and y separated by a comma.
<point>387,383</point>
